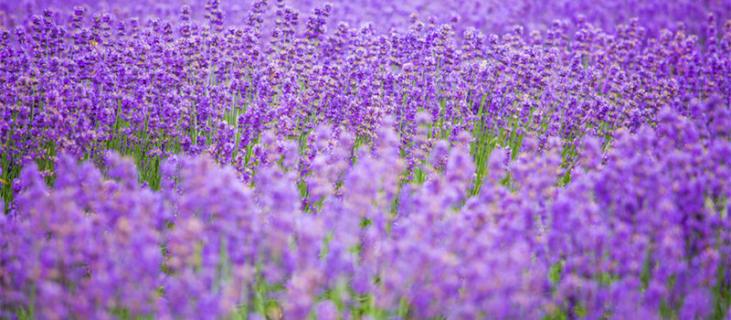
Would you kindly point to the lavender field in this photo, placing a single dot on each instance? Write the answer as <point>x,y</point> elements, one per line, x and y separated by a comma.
<point>365,159</point>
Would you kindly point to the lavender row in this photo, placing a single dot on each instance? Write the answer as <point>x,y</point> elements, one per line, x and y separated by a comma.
<point>488,15</point>
<point>642,229</point>
<point>82,82</point>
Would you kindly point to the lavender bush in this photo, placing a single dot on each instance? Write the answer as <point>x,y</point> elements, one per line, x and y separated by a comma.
<point>365,160</point>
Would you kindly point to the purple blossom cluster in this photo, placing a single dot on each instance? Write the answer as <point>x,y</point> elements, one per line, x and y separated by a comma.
<point>554,160</point>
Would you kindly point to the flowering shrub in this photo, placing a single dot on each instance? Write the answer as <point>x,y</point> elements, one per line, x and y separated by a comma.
<point>552,160</point>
